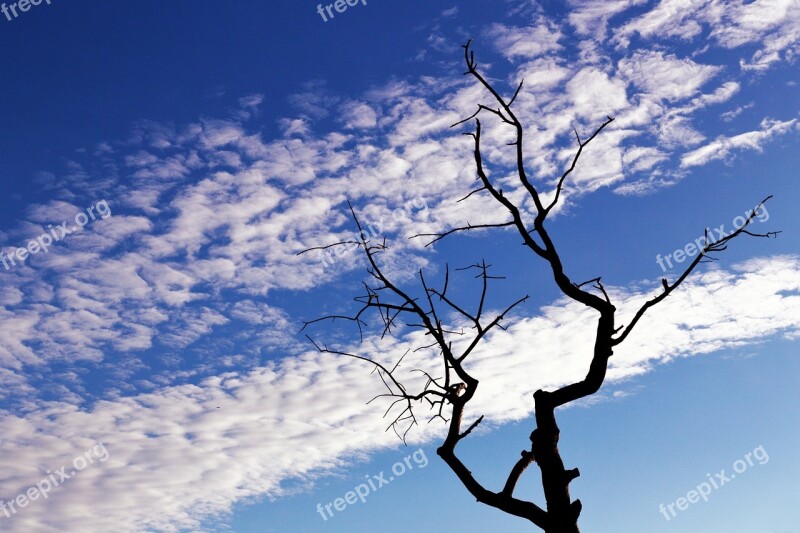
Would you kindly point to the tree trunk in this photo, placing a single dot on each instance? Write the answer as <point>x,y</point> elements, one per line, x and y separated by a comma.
<point>562,512</point>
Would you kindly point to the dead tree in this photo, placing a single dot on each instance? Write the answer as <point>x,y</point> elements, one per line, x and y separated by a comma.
<point>454,389</point>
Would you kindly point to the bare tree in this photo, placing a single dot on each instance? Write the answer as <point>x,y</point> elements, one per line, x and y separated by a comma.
<point>454,389</point>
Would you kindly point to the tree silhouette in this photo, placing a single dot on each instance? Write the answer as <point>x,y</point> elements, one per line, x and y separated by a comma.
<point>456,387</point>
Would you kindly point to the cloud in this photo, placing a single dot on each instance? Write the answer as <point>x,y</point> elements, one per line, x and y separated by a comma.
<point>211,206</point>
<point>665,77</point>
<point>526,43</point>
<point>592,18</point>
<point>254,100</point>
<point>773,25</point>
<point>358,115</point>
<point>733,113</point>
<point>723,146</point>
<point>182,454</point>
<point>452,12</point>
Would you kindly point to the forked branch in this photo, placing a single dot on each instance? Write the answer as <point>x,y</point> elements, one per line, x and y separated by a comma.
<point>711,246</point>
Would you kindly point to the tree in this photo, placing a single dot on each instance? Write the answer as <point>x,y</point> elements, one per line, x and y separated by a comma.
<point>456,387</point>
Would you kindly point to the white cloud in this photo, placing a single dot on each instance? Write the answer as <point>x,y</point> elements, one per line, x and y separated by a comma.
<point>638,159</point>
<point>665,77</point>
<point>773,25</point>
<point>669,18</point>
<point>591,18</point>
<point>733,113</point>
<point>452,12</point>
<point>722,147</point>
<point>358,115</point>
<point>527,43</point>
<point>184,453</point>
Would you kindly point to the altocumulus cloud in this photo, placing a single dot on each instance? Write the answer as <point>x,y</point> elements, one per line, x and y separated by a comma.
<point>211,209</point>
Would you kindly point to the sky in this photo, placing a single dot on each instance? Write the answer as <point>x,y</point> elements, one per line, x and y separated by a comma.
<point>164,163</point>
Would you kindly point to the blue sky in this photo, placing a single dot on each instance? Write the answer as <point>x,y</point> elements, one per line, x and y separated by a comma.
<point>223,139</point>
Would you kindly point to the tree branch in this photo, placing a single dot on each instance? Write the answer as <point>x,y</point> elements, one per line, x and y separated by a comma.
<point>710,247</point>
